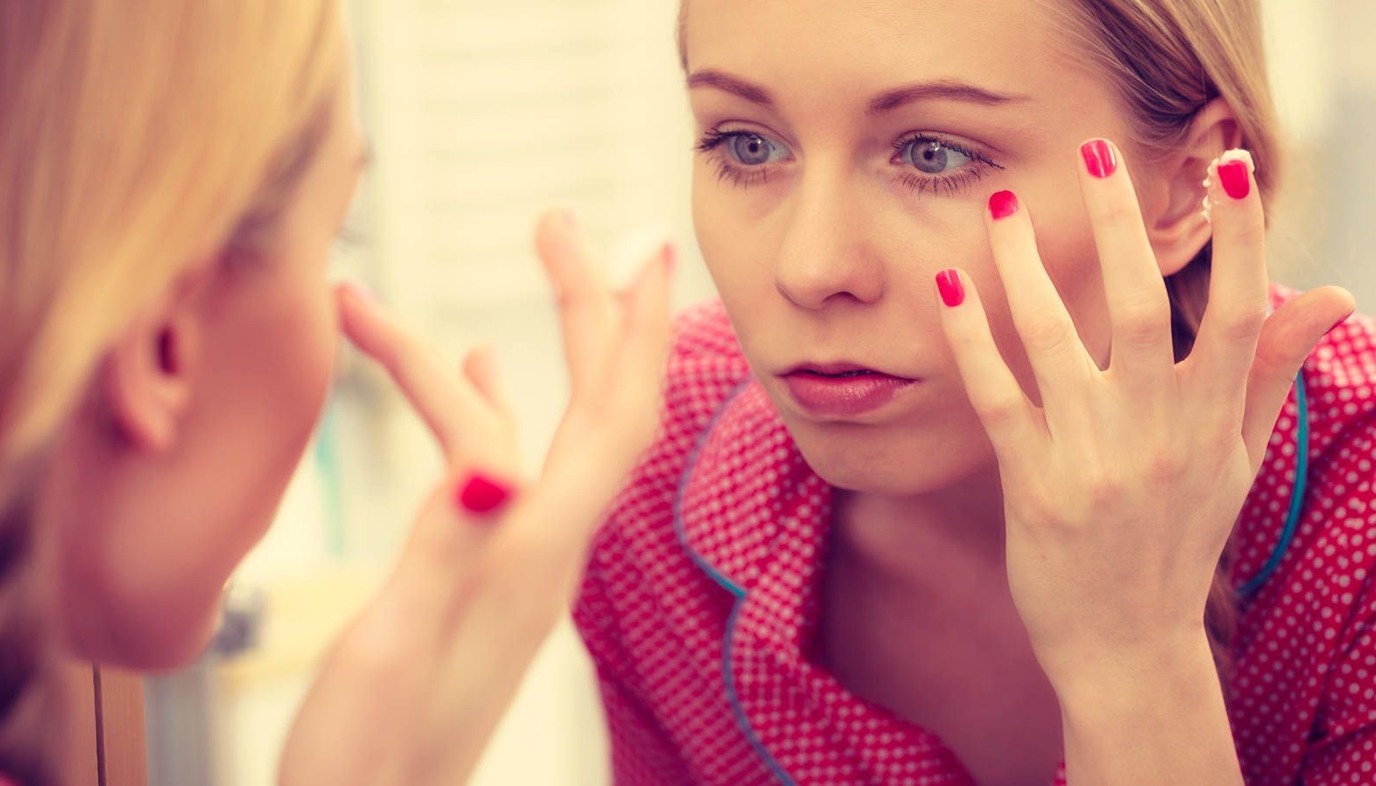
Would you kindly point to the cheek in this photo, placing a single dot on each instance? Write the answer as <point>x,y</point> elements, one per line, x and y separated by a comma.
<point>738,248</point>
<point>1065,244</point>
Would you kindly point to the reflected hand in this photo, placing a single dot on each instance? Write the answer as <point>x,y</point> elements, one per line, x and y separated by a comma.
<point>414,688</point>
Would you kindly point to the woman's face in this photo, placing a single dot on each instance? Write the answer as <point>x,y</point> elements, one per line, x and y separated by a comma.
<point>144,563</point>
<point>848,149</point>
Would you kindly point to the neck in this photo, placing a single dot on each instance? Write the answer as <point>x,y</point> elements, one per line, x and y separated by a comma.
<point>922,539</point>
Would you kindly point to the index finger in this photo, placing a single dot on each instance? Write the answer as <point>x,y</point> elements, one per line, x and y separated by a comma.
<point>454,411</point>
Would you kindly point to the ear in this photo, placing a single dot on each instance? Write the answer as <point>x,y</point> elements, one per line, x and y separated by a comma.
<point>1175,225</point>
<point>147,379</point>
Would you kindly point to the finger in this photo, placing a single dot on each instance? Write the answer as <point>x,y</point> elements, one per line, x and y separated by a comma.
<point>480,368</point>
<point>1286,340</point>
<point>600,439</point>
<point>1058,357</point>
<point>1008,417</point>
<point>1238,296</point>
<point>448,406</point>
<point>1139,309</point>
<point>638,368</point>
<point>453,531</point>
<point>586,305</point>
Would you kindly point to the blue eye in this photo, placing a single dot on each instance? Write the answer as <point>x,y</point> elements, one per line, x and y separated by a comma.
<point>932,157</point>
<point>754,149</point>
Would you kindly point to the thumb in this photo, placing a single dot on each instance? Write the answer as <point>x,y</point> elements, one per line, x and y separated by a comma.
<point>1287,338</point>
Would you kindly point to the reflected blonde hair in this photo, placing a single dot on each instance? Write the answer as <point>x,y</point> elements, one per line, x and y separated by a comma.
<point>134,139</point>
<point>1167,59</point>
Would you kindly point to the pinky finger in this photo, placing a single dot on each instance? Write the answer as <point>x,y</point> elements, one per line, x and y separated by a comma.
<point>998,400</point>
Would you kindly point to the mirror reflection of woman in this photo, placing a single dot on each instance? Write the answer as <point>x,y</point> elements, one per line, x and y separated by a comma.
<point>172,175</point>
<point>1000,461</point>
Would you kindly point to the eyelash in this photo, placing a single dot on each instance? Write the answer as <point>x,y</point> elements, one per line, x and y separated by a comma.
<point>948,185</point>
<point>747,176</point>
<point>740,176</point>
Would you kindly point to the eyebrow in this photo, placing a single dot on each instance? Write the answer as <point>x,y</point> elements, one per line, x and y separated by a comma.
<point>942,89</point>
<point>730,84</point>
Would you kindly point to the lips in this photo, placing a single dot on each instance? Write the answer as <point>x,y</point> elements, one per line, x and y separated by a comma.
<point>841,390</point>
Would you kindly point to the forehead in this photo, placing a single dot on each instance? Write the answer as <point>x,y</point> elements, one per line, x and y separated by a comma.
<point>851,47</point>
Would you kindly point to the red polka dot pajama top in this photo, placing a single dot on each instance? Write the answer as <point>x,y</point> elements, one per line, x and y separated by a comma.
<point>701,596</point>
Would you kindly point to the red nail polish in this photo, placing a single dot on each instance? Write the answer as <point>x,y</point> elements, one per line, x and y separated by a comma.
<point>1003,204</point>
<point>670,258</point>
<point>951,289</point>
<point>1337,324</point>
<point>1234,177</point>
<point>482,494</point>
<point>1100,160</point>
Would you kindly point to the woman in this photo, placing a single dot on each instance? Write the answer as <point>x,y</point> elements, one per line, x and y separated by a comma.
<point>172,175</point>
<point>959,484</point>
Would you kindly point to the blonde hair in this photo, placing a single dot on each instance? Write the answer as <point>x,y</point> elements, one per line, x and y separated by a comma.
<point>1167,59</point>
<point>134,139</point>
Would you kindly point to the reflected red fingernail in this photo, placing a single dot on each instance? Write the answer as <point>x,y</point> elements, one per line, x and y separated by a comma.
<point>670,258</point>
<point>951,289</point>
<point>1003,204</point>
<point>1100,160</point>
<point>358,290</point>
<point>569,219</point>
<point>1234,178</point>
<point>482,494</point>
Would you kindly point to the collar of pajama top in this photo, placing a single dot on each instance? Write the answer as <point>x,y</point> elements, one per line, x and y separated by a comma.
<point>752,516</point>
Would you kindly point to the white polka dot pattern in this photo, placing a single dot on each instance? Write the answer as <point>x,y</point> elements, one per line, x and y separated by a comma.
<point>700,627</point>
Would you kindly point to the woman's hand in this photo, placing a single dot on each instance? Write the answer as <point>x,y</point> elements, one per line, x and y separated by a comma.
<point>1122,487</point>
<point>413,689</point>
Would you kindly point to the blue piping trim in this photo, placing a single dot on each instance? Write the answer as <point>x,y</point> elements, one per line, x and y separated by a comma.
<point>1292,518</point>
<point>728,672</point>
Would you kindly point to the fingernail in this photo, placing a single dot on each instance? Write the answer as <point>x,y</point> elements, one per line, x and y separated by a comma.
<point>952,291</point>
<point>670,256</point>
<point>1234,177</point>
<point>1100,160</point>
<point>482,494</point>
<point>1003,204</point>
<point>569,219</point>
<point>359,290</point>
<point>1338,324</point>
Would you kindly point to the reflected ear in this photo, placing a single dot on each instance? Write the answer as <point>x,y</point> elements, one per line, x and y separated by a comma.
<point>147,378</point>
<point>1178,230</point>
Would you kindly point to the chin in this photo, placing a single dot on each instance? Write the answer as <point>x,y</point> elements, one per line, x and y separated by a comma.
<point>888,459</point>
<point>148,635</point>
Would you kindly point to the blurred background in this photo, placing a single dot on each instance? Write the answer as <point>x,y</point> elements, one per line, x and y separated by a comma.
<point>481,114</point>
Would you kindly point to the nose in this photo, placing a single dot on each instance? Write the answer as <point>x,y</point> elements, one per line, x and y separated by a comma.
<point>826,257</point>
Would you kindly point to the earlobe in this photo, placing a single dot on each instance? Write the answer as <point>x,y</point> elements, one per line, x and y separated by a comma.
<point>1178,230</point>
<point>146,381</point>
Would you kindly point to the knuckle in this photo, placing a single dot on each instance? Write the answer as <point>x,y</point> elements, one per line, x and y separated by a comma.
<point>998,411</point>
<point>1144,320</point>
<point>1103,487</point>
<point>1047,332</point>
<point>1242,322</point>
<point>1163,467</point>
<point>1117,213</point>
<point>1245,231</point>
